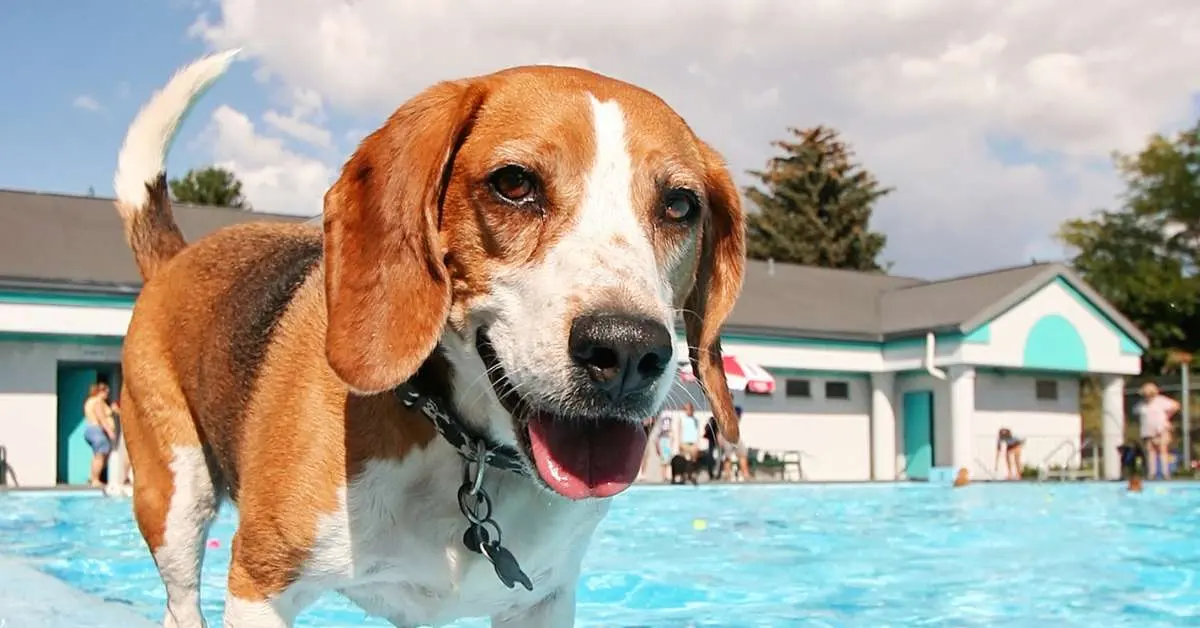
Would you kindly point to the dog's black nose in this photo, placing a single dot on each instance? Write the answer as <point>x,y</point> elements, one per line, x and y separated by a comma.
<point>622,354</point>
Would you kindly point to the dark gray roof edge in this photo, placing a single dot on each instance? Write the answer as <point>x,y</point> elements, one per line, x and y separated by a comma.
<point>843,271</point>
<point>174,204</point>
<point>1036,282</point>
<point>926,283</point>
<point>69,286</point>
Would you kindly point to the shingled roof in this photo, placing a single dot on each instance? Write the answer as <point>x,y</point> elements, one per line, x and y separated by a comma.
<point>78,242</point>
<point>54,241</point>
<point>807,302</point>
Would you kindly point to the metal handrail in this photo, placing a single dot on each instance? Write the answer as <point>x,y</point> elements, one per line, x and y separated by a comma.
<point>1066,443</point>
<point>1075,449</point>
<point>982,464</point>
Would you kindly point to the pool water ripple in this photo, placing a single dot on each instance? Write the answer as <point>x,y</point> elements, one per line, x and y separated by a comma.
<point>765,556</point>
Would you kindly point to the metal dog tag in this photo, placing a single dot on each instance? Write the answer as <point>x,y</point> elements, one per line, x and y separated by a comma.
<point>507,568</point>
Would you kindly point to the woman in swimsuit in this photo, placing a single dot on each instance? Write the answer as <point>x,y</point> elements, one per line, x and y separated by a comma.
<point>100,432</point>
<point>1012,453</point>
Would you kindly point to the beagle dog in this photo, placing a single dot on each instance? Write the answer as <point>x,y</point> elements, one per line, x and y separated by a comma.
<point>426,406</point>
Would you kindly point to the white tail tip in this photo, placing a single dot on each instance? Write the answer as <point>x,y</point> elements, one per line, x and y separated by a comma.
<point>143,155</point>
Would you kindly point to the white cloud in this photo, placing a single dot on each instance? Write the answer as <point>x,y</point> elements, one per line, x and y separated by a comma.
<point>303,122</point>
<point>917,86</point>
<point>274,178</point>
<point>86,103</point>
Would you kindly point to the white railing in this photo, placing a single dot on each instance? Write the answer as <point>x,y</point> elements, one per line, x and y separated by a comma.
<point>987,471</point>
<point>1066,472</point>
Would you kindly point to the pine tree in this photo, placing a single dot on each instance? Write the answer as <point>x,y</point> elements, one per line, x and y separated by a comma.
<point>814,205</point>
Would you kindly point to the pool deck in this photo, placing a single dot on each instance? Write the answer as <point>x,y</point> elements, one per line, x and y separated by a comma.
<point>32,599</point>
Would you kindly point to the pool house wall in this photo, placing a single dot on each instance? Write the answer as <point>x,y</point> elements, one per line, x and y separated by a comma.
<point>1020,369</point>
<point>847,406</point>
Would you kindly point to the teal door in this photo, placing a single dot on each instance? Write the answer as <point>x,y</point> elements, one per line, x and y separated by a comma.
<point>74,454</point>
<point>918,434</point>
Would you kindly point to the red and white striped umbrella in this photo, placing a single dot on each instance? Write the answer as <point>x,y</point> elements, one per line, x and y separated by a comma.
<point>740,375</point>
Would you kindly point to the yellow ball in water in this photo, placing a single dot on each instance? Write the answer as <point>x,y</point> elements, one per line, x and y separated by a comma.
<point>1160,491</point>
<point>699,524</point>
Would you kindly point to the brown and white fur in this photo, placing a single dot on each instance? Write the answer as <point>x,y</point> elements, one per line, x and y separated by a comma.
<point>259,359</point>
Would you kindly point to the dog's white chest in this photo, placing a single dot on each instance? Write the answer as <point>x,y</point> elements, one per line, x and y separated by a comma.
<point>395,548</point>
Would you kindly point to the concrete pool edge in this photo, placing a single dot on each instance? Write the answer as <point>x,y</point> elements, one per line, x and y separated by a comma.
<point>30,598</point>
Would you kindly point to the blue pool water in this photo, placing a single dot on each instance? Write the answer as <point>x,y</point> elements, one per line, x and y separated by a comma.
<point>862,555</point>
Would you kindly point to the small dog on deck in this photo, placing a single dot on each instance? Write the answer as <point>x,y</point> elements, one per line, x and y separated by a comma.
<point>683,470</point>
<point>427,404</point>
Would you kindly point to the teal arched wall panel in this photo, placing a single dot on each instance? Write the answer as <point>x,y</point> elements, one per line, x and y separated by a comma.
<point>1053,343</point>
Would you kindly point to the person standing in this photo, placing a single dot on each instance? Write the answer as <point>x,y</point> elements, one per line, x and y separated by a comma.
<point>686,433</point>
<point>666,449</point>
<point>100,431</point>
<point>1154,412</point>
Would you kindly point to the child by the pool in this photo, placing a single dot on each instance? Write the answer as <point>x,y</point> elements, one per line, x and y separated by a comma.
<point>665,450</point>
<point>1011,445</point>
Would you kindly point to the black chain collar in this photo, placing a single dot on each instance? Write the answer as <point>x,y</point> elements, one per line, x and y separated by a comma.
<point>464,438</point>
<point>483,535</point>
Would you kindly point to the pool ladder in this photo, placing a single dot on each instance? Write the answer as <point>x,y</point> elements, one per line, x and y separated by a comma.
<point>1067,473</point>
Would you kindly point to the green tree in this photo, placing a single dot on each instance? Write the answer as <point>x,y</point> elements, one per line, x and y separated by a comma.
<point>1131,262</point>
<point>1163,185</point>
<point>814,205</point>
<point>213,186</point>
<point>1143,256</point>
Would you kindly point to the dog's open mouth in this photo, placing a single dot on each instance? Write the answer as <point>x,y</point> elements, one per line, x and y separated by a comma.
<point>577,457</point>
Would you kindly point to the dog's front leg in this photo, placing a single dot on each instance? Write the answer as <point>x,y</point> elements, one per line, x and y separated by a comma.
<point>556,610</point>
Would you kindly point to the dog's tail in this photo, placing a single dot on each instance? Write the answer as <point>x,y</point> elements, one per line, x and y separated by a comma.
<point>143,199</point>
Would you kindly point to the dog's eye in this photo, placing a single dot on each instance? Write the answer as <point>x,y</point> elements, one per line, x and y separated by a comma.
<point>680,205</point>
<point>513,183</point>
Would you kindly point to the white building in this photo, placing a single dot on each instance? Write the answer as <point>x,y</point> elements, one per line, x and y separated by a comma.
<point>886,378</point>
<point>67,287</point>
<point>877,377</point>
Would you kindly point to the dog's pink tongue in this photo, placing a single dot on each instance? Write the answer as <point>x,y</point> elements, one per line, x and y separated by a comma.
<point>581,459</point>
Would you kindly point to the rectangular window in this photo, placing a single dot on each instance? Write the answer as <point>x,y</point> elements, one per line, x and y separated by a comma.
<point>1046,390</point>
<point>797,388</point>
<point>837,390</point>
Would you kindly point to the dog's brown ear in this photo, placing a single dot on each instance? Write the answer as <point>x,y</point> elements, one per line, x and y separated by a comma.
<point>387,291</point>
<point>718,284</point>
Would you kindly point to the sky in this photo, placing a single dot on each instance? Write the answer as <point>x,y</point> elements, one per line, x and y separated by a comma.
<point>993,120</point>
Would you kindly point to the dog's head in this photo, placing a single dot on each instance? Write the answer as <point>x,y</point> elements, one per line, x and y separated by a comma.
<point>545,226</point>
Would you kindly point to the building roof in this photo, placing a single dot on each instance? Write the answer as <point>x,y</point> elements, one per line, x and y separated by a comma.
<point>803,301</point>
<point>77,243</point>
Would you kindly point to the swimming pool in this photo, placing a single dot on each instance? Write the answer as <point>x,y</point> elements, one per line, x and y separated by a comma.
<point>800,555</point>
